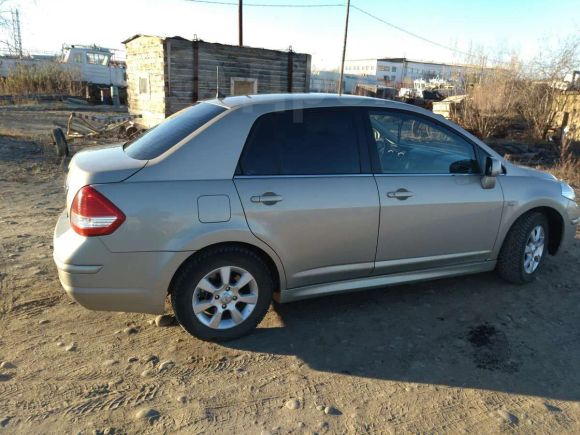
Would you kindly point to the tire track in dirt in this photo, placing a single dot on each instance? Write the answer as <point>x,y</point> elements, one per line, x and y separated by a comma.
<point>34,307</point>
<point>197,366</point>
<point>227,410</point>
<point>109,401</point>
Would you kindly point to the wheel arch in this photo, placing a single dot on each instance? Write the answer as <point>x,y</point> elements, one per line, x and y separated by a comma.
<point>555,228</point>
<point>275,267</point>
<point>555,225</point>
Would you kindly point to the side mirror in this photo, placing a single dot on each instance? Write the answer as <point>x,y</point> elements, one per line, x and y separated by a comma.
<point>492,167</point>
<point>492,170</point>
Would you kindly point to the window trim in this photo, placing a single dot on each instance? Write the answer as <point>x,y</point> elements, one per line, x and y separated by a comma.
<point>374,155</point>
<point>365,164</point>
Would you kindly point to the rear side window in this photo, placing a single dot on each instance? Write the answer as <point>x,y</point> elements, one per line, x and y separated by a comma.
<point>302,142</point>
<point>162,137</point>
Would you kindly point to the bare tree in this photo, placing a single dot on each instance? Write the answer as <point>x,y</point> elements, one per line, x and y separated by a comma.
<point>5,26</point>
<point>533,91</point>
<point>490,99</point>
<point>541,92</point>
<point>3,10</point>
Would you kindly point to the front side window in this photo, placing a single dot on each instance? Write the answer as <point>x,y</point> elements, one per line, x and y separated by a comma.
<point>302,142</point>
<point>411,144</point>
<point>162,137</point>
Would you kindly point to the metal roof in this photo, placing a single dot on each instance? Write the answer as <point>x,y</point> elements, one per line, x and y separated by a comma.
<point>180,38</point>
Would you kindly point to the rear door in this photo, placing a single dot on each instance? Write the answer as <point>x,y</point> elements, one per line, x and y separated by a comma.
<point>434,211</point>
<point>305,184</point>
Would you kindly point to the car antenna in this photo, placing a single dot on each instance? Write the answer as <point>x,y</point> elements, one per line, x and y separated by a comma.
<point>218,95</point>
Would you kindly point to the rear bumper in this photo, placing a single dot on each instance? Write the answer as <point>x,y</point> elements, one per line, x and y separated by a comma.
<point>99,279</point>
<point>112,299</point>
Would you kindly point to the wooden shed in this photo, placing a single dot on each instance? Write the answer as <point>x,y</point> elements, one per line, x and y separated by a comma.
<point>165,75</point>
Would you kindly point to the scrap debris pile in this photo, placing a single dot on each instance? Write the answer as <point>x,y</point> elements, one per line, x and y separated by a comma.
<point>81,125</point>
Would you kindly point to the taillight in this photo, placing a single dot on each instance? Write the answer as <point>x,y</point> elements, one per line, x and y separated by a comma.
<point>92,214</point>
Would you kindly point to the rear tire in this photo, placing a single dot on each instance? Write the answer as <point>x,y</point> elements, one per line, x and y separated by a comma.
<point>519,262</point>
<point>222,310</point>
<point>60,143</point>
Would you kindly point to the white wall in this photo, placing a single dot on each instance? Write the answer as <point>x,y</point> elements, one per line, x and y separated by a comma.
<point>419,70</point>
<point>390,71</point>
<point>363,67</point>
<point>397,71</point>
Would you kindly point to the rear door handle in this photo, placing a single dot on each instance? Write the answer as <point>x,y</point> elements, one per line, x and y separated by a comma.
<point>268,198</point>
<point>400,194</point>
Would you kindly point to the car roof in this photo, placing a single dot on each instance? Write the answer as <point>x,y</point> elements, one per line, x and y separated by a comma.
<point>278,102</point>
<point>297,101</point>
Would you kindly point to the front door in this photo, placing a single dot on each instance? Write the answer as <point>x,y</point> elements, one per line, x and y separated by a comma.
<point>434,211</point>
<point>305,193</point>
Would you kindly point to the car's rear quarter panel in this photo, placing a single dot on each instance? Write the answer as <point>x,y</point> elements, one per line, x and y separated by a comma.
<point>164,216</point>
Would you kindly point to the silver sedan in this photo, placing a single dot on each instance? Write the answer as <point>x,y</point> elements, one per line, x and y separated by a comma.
<point>236,201</point>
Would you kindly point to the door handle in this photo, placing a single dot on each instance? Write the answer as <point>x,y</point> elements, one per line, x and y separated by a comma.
<point>400,194</point>
<point>268,198</point>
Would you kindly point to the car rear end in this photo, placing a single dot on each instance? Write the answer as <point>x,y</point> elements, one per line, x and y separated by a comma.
<point>95,266</point>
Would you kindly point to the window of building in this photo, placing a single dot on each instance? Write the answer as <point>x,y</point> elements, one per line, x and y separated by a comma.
<point>243,86</point>
<point>410,144</point>
<point>302,142</point>
<point>98,59</point>
<point>143,85</point>
<point>394,69</point>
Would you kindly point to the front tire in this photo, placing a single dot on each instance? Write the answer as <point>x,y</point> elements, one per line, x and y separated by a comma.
<point>524,249</point>
<point>222,294</point>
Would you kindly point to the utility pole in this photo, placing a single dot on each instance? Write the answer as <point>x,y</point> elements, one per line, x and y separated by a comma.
<point>340,81</point>
<point>241,24</point>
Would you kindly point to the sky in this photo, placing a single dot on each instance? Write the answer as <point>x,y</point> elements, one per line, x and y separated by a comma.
<point>499,27</point>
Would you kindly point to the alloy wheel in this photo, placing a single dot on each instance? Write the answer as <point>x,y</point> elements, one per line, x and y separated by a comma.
<point>225,297</point>
<point>534,249</point>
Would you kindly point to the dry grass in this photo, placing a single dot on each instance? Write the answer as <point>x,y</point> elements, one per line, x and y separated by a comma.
<point>46,79</point>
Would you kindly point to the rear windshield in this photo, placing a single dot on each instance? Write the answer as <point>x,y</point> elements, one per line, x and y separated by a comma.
<point>160,138</point>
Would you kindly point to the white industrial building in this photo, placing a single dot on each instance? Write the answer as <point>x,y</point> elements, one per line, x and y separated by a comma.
<point>400,70</point>
<point>327,81</point>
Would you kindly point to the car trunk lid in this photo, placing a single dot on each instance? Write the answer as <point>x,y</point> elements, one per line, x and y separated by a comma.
<point>99,165</point>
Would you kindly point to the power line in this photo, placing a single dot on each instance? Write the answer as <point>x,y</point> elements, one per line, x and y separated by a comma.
<point>332,5</point>
<point>408,32</point>
<point>271,5</point>
<point>497,60</point>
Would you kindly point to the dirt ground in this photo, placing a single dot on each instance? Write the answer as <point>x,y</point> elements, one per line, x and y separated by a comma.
<point>470,354</point>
